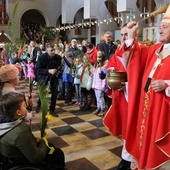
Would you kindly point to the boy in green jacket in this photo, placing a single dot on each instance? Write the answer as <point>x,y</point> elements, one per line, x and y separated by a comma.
<point>17,142</point>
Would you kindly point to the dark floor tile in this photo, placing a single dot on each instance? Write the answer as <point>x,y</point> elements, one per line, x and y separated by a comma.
<point>58,142</point>
<point>64,130</point>
<point>117,151</point>
<point>95,133</point>
<point>72,120</point>
<point>98,123</point>
<point>78,112</point>
<point>82,112</point>
<point>81,164</point>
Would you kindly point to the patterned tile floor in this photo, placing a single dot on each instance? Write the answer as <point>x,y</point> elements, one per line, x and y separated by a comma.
<point>81,135</point>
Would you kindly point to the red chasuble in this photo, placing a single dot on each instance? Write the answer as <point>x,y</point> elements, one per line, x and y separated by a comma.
<point>115,117</point>
<point>148,127</point>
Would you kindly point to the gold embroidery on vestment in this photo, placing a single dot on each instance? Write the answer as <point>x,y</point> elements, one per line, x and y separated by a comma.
<point>144,114</point>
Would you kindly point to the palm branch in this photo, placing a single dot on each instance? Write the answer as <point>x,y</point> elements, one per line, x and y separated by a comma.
<point>44,105</point>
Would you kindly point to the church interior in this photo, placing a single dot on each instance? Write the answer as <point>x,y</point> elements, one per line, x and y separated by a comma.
<point>85,141</point>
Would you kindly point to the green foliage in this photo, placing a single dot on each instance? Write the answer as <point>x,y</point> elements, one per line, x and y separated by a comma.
<point>17,60</point>
<point>15,43</point>
<point>81,55</point>
<point>73,67</point>
<point>49,33</point>
<point>11,22</point>
<point>13,46</point>
<point>44,105</point>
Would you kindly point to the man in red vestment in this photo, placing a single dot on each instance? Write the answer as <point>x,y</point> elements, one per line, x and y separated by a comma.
<point>116,117</point>
<point>148,127</point>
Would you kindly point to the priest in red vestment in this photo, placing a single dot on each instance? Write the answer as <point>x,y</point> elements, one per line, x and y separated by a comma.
<point>148,127</point>
<point>116,117</point>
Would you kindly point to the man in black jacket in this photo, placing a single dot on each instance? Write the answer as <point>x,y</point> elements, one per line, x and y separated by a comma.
<point>48,67</point>
<point>108,46</point>
<point>74,48</point>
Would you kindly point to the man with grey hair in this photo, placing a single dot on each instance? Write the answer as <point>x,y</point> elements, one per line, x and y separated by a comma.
<point>74,48</point>
<point>108,46</point>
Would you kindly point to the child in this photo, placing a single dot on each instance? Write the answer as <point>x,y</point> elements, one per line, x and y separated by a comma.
<point>9,78</point>
<point>30,71</point>
<point>107,91</point>
<point>76,75</point>
<point>23,65</point>
<point>91,52</point>
<point>67,78</point>
<point>16,139</point>
<point>86,75</point>
<point>98,84</point>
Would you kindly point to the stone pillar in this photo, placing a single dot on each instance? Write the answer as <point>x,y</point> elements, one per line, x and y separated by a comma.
<point>125,5</point>
<point>91,8</point>
<point>66,11</point>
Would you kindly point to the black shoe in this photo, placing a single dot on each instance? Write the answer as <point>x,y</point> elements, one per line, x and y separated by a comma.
<point>52,112</point>
<point>38,108</point>
<point>124,165</point>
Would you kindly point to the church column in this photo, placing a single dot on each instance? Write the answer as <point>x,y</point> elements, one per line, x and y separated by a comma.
<point>91,9</point>
<point>66,11</point>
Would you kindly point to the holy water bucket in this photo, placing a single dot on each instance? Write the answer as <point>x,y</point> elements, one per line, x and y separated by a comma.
<point>114,79</point>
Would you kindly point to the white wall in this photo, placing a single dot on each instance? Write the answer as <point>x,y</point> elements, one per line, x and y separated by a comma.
<point>52,9</point>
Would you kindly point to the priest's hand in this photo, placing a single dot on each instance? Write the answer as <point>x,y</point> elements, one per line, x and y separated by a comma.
<point>158,85</point>
<point>132,29</point>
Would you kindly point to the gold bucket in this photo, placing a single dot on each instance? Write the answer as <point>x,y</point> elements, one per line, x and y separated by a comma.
<point>114,79</point>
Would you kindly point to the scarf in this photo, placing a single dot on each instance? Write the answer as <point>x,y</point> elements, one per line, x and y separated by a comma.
<point>81,76</point>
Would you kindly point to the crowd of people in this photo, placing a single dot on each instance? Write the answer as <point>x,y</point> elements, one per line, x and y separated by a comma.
<point>67,75</point>
<point>32,32</point>
<point>138,111</point>
<point>76,69</point>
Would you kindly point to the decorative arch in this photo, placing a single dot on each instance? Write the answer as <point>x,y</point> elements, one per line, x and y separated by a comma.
<point>30,22</point>
<point>33,15</point>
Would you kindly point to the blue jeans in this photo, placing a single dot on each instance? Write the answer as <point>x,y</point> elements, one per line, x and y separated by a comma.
<point>68,92</point>
<point>78,93</point>
<point>100,99</point>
